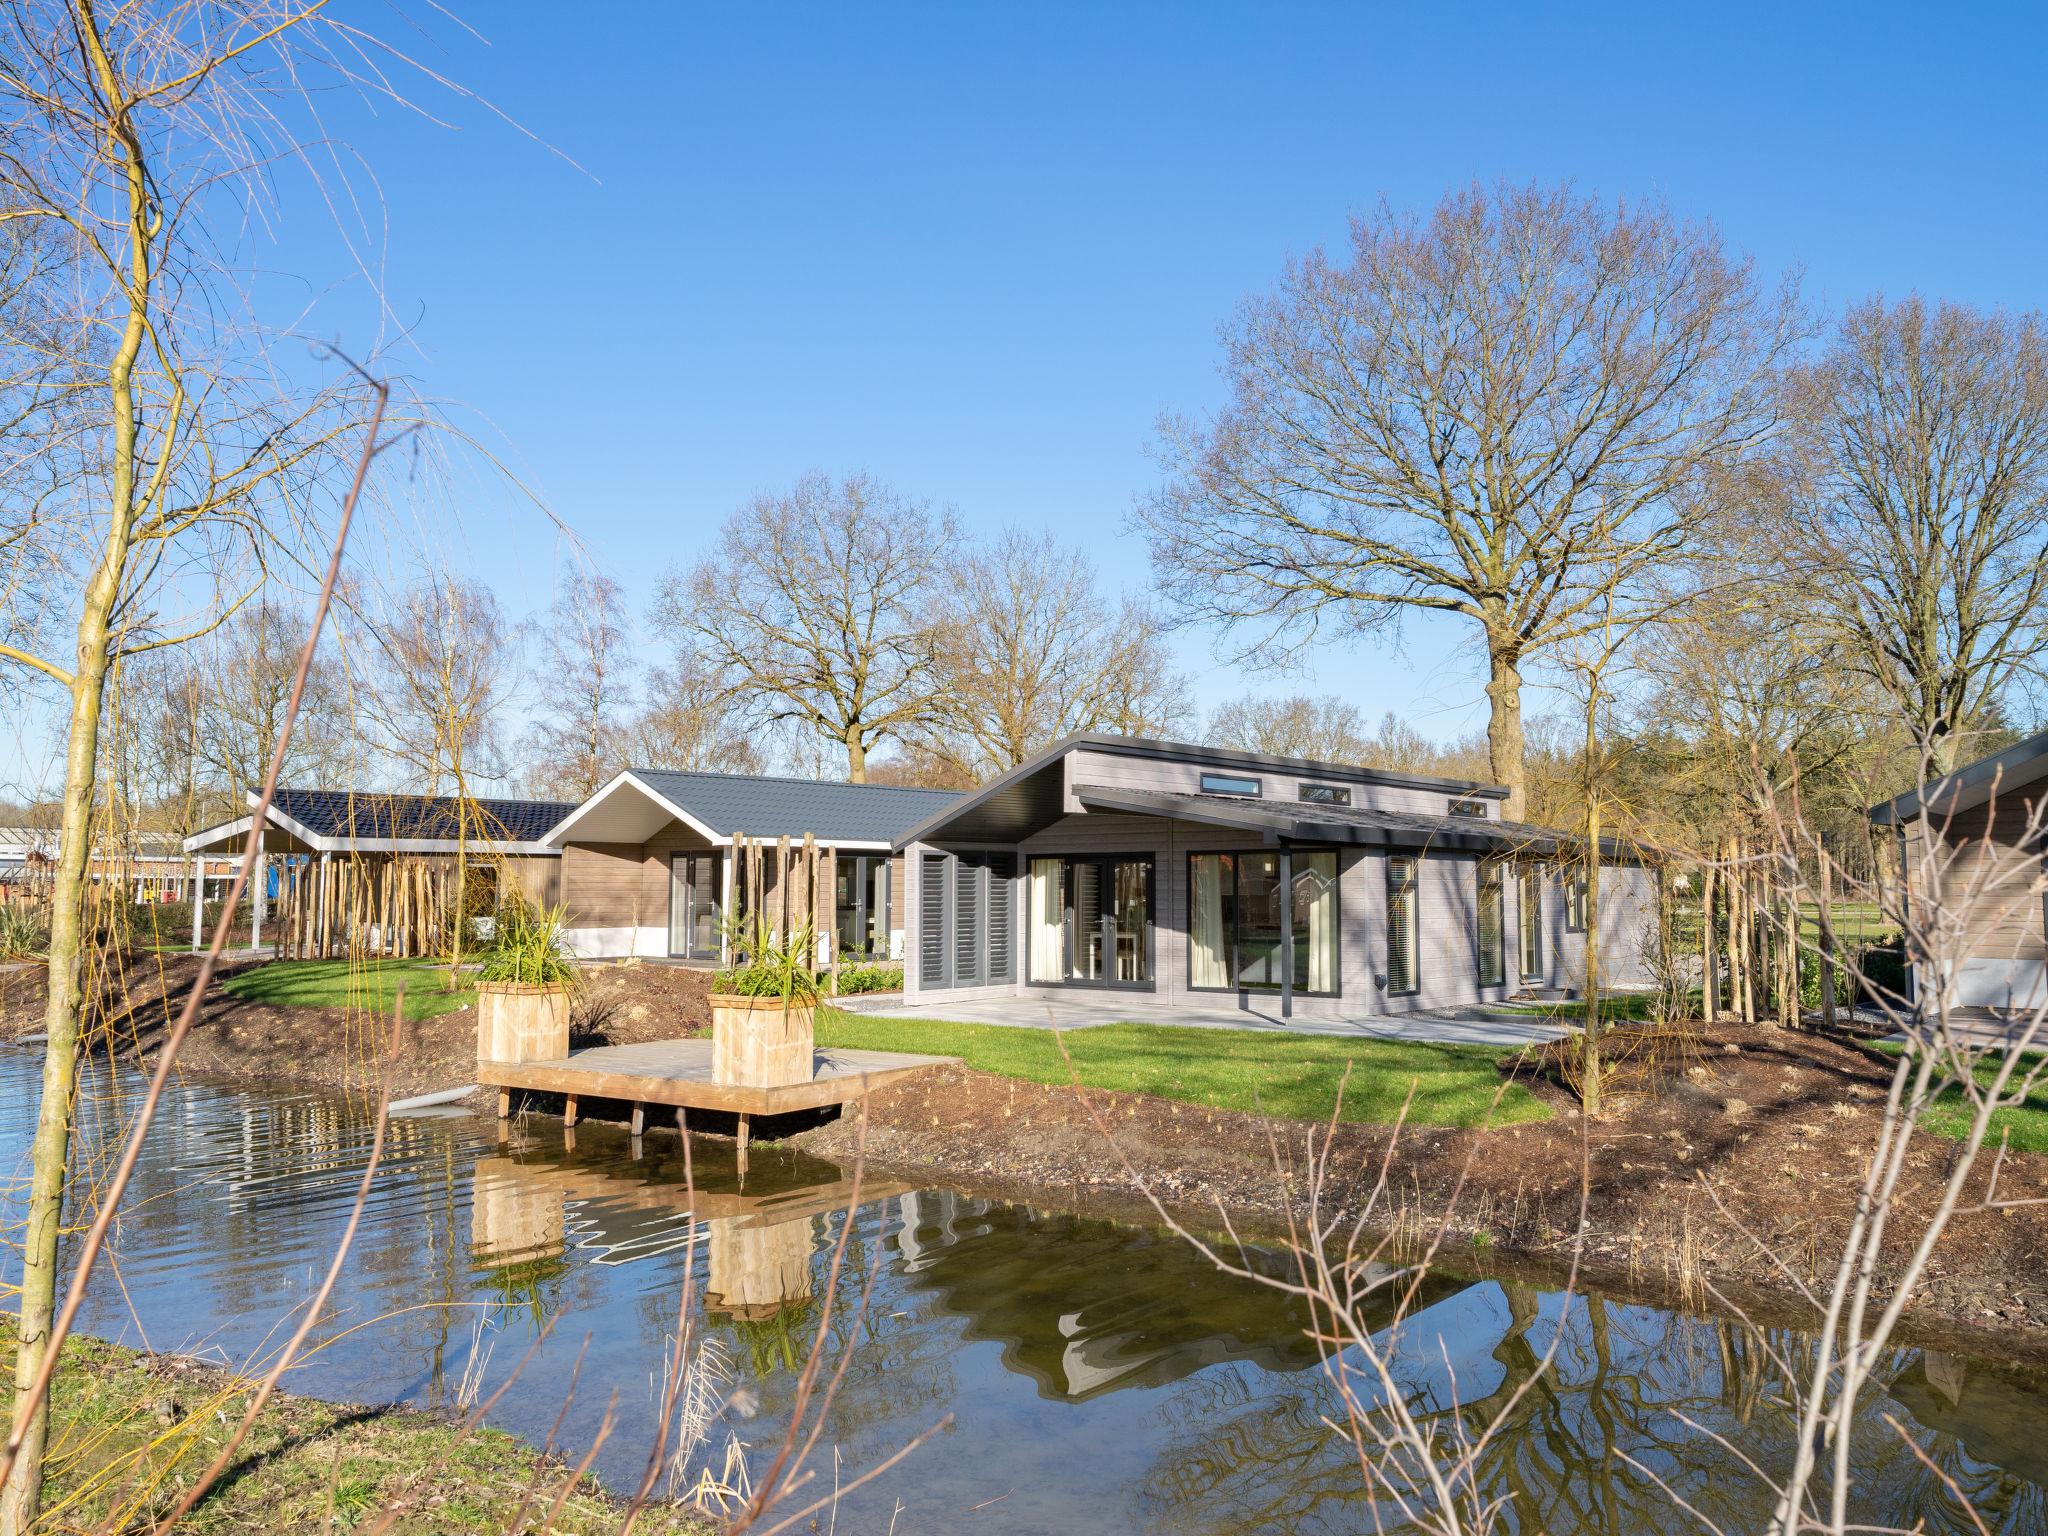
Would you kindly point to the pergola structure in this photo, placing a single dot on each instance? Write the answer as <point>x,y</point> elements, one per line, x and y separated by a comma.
<point>340,854</point>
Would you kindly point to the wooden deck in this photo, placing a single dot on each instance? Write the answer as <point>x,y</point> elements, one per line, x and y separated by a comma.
<point>677,1073</point>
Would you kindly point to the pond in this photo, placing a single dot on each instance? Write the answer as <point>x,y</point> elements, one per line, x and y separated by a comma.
<point>1100,1376</point>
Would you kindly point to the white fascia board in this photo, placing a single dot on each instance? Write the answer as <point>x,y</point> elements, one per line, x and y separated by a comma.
<point>210,837</point>
<point>558,833</point>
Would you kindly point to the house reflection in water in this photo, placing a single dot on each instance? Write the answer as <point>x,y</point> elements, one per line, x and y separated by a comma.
<point>1084,1307</point>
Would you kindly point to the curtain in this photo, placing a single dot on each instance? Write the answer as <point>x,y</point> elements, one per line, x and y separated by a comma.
<point>1047,908</point>
<point>1210,965</point>
<point>1315,888</point>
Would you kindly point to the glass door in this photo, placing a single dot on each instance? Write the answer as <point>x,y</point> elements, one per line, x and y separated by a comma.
<point>693,914</point>
<point>1258,920</point>
<point>1108,922</point>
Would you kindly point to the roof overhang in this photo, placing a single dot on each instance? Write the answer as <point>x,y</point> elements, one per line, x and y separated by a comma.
<point>1293,823</point>
<point>1977,784</point>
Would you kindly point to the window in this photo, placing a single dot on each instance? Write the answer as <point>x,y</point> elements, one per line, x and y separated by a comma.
<point>1230,784</point>
<point>1493,938</point>
<point>1476,809</point>
<point>1401,932</point>
<point>1239,916</point>
<point>1575,904</point>
<point>1531,903</point>
<point>1326,794</point>
<point>1090,921</point>
<point>860,901</point>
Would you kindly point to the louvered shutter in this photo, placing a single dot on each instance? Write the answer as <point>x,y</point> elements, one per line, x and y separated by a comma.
<point>1002,942</point>
<point>931,920</point>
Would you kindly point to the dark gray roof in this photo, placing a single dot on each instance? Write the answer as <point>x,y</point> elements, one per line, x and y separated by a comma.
<point>362,814</point>
<point>1295,821</point>
<point>1030,794</point>
<point>762,806</point>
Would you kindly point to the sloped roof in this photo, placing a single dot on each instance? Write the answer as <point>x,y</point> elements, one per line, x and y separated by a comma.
<point>2022,763</point>
<point>760,805</point>
<point>1300,821</point>
<point>358,814</point>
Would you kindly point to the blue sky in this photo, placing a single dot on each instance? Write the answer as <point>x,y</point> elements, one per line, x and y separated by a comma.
<point>977,249</point>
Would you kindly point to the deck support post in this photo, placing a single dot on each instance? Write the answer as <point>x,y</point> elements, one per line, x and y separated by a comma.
<point>1286,933</point>
<point>504,1103</point>
<point>744,1122</point>
<point>639,1120</point>
<point>569,1112</point>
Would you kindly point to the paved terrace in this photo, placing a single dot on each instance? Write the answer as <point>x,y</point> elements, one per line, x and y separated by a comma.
<point>1443,1026</point>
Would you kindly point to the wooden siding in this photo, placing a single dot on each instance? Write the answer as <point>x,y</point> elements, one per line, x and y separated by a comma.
<point>1983,867</point>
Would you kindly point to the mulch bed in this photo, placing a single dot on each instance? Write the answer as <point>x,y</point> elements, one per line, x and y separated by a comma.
<point>1717,1150</point>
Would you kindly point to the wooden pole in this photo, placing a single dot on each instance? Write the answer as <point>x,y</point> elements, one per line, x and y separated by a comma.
<point>1827,941</point>
<point>1710,971</point>
<point>831,875</point>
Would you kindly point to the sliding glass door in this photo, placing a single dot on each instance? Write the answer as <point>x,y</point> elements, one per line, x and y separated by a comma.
<point>1239,919</point>
<point>1091,922</point>
<point>693,915</point>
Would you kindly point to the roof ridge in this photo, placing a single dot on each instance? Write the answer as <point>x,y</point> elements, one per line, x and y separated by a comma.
<point>794,778</point>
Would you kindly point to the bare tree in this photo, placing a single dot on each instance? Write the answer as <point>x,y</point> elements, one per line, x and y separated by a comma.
<point>1920,510</point>
<point>818,608</point>
<point>687,724</point>
<point>579,741</point>
<point>1034,652</point>
<point>445,657</point>
<point>1294,725</point>
<point>1495,412</point>
<point>155,494</point>
<point>248,669</point>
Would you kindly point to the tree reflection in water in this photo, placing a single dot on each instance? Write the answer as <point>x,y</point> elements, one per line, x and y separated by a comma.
<point>1631,1388</point>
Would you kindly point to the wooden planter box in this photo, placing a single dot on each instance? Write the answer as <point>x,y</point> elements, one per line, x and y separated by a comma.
<point>762,1042</point>
<point>516,1021</point>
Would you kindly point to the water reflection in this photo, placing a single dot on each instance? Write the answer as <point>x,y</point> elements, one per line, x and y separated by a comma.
<point>1102,1377</point>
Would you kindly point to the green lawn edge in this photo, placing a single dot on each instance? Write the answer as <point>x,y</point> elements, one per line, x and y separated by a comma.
<point>1289,1076</point>
<point>355,986</point>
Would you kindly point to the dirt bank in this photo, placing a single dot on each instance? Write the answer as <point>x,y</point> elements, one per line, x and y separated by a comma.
<point>340,1049</point>
<point>1765,1143</point>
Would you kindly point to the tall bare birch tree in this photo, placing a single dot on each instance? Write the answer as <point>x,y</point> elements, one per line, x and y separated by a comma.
<point>436,687</point>
<point>1919,519</point>
<point>1492,412</point>
<point>586,663</point>
<point>819,609</point>
<point>157,492</point>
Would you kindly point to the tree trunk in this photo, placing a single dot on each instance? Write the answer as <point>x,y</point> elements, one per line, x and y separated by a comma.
<point>856,756</point>
<point>1589,1087</point>
<point>21,1500</point>
<point>1505,745</point>
<point>1710,972</point>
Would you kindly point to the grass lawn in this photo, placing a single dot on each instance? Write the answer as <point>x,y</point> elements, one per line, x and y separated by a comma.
<point>1855,922</point>
<point>1295,1076</point>
<point>2024,1123</point>
<point>365,985</point>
